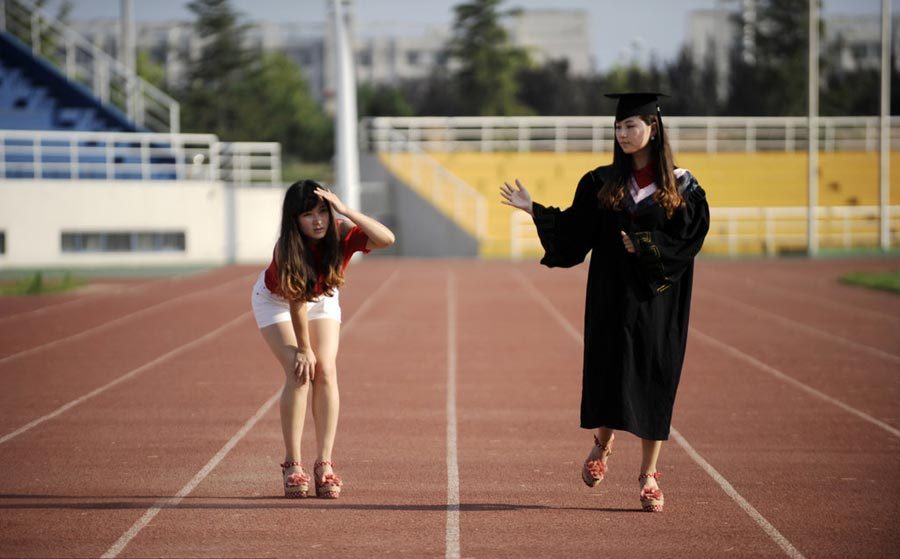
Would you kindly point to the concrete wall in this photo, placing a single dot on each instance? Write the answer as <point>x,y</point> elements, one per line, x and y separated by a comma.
<point>221,224</point>
<point>421,230</point>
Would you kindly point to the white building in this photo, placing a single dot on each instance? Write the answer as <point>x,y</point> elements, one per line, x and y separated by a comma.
<point>381,57</point>
<point>713,33</point>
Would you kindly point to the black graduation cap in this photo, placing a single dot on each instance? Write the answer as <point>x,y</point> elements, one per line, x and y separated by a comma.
<point>637,103</point>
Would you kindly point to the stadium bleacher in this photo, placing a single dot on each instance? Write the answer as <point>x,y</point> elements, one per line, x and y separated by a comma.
<point>35,95</point>
<point>764,193</point>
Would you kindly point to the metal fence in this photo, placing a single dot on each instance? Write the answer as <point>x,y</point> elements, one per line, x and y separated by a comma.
<point>769,231</point>
<point>37,154</point>
<point>595,134</point>
<point>85,63</point>
<point>444,190</point>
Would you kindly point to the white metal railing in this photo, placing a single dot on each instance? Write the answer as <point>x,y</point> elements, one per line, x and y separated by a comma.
<point>465,205</point>
<point>773,230</point>
<point>770,231</point>
<point>86,63</point>
<point>39,154</point>
<point>595,134</point>
<point>246,163</point>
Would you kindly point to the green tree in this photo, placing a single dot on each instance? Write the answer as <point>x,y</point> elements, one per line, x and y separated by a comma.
<point>847,92</point>
<point>152,72</point>
<point>488,64</point>
<point>278,107</point>
<point>382,100</point>
<point>240,94</point>
<point>216,78</point>
<point>769,70</point>
<point>692,88</point>
<point>549,90</point>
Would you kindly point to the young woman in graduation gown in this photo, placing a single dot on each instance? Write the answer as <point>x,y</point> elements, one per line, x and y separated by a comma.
<point>643,220</point>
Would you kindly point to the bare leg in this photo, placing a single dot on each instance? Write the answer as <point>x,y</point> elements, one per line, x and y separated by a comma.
<point>325,335</point>
<point>283,343</point>
<point>649,455</point>
<point>604,434</point>
<point>594,469</point>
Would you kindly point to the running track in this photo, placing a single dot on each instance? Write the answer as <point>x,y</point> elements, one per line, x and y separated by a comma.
<point>141,421</point>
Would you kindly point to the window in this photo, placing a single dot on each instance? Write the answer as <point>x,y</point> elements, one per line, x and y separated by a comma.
<point>124,241</point>
<point>412,57</point>
<point>2,242</point>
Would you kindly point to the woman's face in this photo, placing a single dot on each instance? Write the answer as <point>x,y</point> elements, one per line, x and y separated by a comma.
<point>314,223</point>
<point>633,134</point>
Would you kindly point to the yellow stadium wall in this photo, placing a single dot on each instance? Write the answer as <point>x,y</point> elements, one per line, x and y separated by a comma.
<point>730,180</point>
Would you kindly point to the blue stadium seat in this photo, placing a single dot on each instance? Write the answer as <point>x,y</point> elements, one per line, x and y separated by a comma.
<point>35,95</point>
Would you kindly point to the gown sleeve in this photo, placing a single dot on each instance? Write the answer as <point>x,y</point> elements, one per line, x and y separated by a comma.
<point>664,255</point>
<point>567,235</point>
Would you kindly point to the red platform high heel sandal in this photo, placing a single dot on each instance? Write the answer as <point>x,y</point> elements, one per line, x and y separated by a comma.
<point>594,469</point>
<point>296,485</point>
<point>329,485</point>
<point>651,498</point>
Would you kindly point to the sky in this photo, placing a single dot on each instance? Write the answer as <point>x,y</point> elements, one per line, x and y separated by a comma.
<point>658,25</point>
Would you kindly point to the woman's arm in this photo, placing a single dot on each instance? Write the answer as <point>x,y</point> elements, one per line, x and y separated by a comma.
<point>517,197</point>
<point>304,360</point>
<point>379,235</point>
<point>566,235</point>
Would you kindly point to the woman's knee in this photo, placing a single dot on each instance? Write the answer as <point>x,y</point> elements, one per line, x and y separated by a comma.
<point>326,372</point>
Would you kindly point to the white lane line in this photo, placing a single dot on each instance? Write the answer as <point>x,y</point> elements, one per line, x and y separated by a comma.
<point>767,527</point>
<point>172,502</point>
<point>731,350</point>
<point>82,298</point>
<point>55,306</point>
<point>729,489</point>
<point>121,320</point>
<point>367,304</point>
<point>796,294</point>
<point>191,485</point>
<point>795,324</point>
<point>129,375</point>
<point>452,538</point>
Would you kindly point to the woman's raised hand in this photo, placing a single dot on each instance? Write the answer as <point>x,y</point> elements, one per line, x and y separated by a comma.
<point>333,199</point>
<point>516,197</point>
<point>304,366</point>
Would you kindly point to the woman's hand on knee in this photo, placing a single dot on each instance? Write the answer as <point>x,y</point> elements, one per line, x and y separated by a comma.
<point>304,366</point>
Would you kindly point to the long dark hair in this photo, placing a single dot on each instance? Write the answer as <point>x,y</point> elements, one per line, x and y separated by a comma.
<point>666,195</point>
<point>297,270</point>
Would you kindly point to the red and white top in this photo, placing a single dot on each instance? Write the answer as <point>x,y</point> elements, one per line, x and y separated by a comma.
<point>354,240</point>
<point>643,182</point>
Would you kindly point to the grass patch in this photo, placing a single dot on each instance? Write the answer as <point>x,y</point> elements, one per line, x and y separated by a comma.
<point>884,281</point>
<point>293,170</point>
<point>37,284</point>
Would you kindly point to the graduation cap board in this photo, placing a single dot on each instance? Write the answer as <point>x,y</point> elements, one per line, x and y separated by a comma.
<point>638,103</point>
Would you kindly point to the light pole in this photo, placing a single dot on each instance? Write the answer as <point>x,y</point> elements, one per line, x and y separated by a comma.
<point>346,142</point>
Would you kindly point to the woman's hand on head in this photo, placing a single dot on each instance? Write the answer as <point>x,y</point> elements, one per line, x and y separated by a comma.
<point>304,366</point>
<point>332,199</point>
<point>516,196</point>
<point>626,240</point>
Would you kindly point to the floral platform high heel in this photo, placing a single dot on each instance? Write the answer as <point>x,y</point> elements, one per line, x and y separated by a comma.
<point>593,471</point>
<point>329,485</point>
<point>651,499</point>
<point>296,485</point>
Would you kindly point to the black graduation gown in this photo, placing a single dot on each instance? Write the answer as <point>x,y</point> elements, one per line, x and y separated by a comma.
<point>637,306</point>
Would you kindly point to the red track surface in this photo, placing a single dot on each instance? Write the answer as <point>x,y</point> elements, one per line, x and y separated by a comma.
<point>138,422</point>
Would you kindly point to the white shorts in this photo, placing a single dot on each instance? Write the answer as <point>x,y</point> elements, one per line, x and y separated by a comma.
<point>270,309</point>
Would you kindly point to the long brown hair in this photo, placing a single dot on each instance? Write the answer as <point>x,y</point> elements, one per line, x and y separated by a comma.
<point>616,185</point>
<point>297,269</point>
